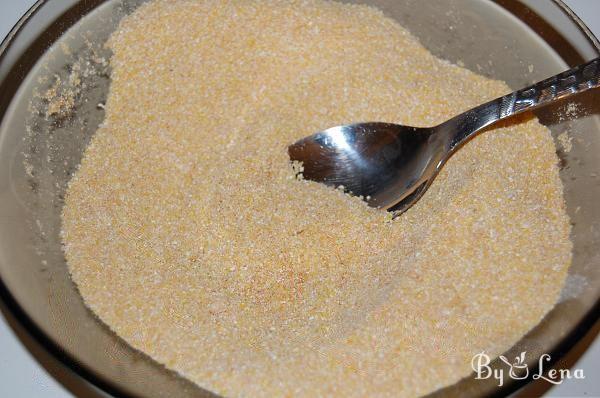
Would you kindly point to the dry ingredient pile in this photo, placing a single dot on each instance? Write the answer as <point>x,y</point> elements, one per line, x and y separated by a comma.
<point>188,234</point>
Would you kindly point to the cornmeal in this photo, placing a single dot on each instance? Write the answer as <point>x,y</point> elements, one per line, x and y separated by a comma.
<point>188,234</point>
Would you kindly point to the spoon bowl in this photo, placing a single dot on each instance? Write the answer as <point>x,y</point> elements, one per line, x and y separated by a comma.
<point>384,163</point>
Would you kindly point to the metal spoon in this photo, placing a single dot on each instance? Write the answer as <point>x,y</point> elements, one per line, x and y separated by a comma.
<point>391,166</point>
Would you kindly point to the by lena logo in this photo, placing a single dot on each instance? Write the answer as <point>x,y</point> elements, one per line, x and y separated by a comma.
<point>518,369</point>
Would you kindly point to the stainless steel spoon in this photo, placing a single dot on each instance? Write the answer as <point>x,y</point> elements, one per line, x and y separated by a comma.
<point>392,166</point>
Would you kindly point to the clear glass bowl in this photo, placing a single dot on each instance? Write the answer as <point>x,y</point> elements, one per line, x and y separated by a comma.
<point>515,41</point>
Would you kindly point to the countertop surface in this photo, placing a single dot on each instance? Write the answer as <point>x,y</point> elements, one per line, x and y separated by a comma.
<point>22,375</point>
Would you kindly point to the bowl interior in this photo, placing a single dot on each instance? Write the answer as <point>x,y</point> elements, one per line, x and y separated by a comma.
<point>55,75</point>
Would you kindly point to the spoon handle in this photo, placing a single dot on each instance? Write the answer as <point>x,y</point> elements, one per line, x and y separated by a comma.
<point>573,81</point>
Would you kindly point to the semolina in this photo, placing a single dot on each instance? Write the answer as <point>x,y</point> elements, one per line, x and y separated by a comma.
<point>188,235</point>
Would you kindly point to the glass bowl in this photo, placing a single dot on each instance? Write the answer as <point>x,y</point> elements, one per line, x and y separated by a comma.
<point>40,147</point>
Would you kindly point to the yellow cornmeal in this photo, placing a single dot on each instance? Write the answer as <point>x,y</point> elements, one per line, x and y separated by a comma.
<point>187,233</point>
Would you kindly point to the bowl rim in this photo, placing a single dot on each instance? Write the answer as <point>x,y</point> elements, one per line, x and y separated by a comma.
<point>10,306</point>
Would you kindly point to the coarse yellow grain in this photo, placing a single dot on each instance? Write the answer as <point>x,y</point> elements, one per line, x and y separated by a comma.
<point>187,233</point>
